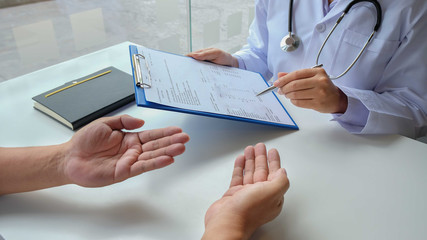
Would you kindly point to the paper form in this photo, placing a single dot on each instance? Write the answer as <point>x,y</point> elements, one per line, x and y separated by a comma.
<point>183,82</point>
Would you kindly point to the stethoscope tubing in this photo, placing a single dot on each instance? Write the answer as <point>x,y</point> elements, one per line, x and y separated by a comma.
<point>346,10</point>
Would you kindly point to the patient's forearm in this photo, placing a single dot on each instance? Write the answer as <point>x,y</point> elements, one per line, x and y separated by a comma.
<point>31,168</point>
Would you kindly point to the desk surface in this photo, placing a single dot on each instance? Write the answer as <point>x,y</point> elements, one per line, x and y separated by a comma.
<point>343,186</point>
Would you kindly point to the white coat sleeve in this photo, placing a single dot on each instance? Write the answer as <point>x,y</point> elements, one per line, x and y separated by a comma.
<point>398,104</point>
<point>253,56</point>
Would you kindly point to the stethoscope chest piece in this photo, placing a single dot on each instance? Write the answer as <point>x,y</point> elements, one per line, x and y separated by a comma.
<point>290,42</point>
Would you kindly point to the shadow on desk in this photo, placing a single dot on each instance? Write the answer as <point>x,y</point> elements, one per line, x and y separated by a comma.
<point>86,219</point>
<point>42,204</point>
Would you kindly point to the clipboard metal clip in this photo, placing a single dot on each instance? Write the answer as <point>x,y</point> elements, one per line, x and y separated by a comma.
<point>138,74</point>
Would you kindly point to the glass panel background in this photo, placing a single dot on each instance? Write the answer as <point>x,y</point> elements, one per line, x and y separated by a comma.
<point>38,35</point>
<point>222,24</point>
<point>35,34</point>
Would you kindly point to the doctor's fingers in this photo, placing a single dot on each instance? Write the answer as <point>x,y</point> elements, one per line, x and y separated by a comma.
<point>312,99</point>
<point>298,85</point>
<point>206,54</point>
<point>319,81</point>
<point>281,74</point>
<point>321,95</point>
<point>301,74</point>
<point>306,94</point>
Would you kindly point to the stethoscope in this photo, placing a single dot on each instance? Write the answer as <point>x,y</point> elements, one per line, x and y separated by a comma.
<point>291,41</point>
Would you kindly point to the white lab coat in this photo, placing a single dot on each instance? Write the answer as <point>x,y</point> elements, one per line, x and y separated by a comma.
<point>386,88</point>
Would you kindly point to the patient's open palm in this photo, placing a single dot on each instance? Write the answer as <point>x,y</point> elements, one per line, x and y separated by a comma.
<point>101,154</point>
<point>256,191</point>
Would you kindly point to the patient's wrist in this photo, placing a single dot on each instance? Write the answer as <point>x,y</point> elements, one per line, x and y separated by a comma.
<point>226,228</point>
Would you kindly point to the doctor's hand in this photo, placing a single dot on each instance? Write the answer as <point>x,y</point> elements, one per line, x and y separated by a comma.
<point>215,55</point>
<point>101,153</point>
<point>254,198</point>
<point>312,88</point>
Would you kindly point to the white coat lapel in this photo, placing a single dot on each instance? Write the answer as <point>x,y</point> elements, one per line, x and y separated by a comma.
<point>337,10</point>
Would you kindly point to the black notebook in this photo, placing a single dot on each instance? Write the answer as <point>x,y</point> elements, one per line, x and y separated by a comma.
<point>83,100</point>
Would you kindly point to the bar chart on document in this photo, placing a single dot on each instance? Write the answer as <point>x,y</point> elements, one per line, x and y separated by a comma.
<point>183,82</point>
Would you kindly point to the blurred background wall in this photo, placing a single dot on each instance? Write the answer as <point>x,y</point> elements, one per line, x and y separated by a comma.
<point>36,34</point>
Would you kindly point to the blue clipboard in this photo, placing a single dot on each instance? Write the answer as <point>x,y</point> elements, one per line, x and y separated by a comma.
<point>142,101</point>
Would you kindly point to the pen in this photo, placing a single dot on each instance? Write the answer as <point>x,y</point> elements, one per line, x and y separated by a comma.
<point>272,87</point>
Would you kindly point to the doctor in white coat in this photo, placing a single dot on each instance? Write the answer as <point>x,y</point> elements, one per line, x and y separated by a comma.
<point>385,92</point>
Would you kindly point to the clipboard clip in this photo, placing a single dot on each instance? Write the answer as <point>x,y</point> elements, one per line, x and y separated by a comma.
<point>138,74</point>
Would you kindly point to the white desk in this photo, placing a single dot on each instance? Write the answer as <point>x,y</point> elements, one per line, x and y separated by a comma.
<point>343,186</point>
